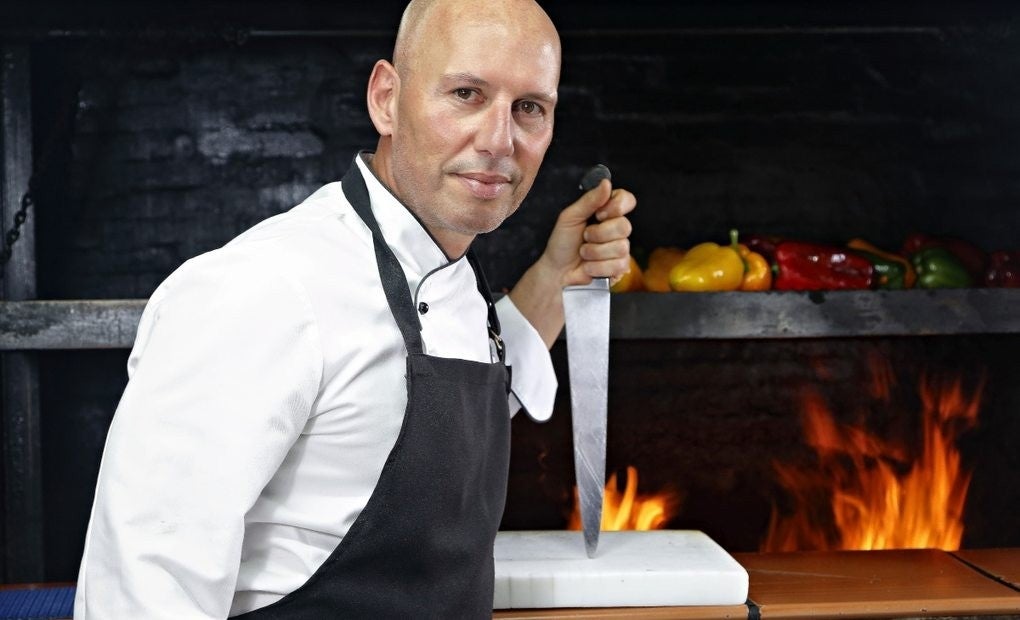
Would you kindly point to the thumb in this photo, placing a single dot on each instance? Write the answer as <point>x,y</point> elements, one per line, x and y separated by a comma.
<point>584,207</point>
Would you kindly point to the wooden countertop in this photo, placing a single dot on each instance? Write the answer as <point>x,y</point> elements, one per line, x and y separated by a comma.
<point>873,584</point>
<point>850,584</point>
<point>1002,565</point>
<point>912,583</point>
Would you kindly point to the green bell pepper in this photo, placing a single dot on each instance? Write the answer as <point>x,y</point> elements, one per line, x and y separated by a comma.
<point>937,267</point>
<point>889,273</point>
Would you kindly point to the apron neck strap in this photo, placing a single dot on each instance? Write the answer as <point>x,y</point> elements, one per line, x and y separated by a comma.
<point>394,281</point>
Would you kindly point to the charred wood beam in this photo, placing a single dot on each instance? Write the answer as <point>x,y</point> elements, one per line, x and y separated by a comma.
<point>239,35</point>
<point>828,314</point>
<point>111,324</point>
<point>79,324</point>
<point>22,464</point>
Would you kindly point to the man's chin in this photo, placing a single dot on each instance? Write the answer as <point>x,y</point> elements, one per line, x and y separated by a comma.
<point>480,228</point>
<point>480,225</point>
<point>482,216</point>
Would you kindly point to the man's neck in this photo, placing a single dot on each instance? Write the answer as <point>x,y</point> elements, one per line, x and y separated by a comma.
<point>453,244</point>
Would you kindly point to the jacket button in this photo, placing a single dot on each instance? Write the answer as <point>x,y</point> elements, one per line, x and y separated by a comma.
<point>423,308</point>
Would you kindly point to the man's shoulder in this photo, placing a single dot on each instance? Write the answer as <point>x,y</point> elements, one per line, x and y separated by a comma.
<point>312,243</point>
<point>316,229</point>
<point>323,206</point>
<point>229,270</point>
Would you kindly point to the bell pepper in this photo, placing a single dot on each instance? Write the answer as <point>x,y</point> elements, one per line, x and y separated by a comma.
<point>815,267</point>
<point>764,245</point>
<point>757,270</point>
<point>970,256</point>
<point>889,274</point>
<point>1003,269</point>
<point>892,271</point>
<point>631,281</point>
<point>937,267</point>
<point>660,262</point>
<point>708,267</point>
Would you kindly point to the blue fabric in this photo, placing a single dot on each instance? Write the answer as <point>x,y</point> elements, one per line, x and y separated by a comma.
<point>35,604</point>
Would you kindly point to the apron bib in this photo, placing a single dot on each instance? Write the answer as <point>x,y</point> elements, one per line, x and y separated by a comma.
<point>422,546</point>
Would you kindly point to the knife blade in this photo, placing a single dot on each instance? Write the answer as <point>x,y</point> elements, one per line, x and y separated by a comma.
<point>586,311</point>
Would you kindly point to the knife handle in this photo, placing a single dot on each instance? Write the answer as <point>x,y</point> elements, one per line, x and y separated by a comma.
<point>590,181</point>
<point>594,176</point>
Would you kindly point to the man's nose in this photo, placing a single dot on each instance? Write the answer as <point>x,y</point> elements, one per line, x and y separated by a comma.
<point>496,134</point>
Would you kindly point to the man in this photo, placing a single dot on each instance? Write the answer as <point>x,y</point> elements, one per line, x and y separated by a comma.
<point>316,423</point>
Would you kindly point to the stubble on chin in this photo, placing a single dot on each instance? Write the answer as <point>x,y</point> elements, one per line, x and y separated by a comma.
<point>438,202</point>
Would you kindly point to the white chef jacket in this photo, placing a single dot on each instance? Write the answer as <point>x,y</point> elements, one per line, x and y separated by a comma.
<point>266,390</point>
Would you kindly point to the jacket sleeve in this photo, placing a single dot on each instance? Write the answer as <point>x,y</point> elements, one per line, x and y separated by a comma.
<point>533,380</point>
<point>223,374</point>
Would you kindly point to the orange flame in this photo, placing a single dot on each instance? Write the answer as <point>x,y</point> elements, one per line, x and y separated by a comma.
<point>879,499</point>
<point>628,510</point>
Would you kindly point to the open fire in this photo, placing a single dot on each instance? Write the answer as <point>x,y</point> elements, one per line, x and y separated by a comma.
<point>879,467</point>
<point>864,491</point>
<point>627,510</point>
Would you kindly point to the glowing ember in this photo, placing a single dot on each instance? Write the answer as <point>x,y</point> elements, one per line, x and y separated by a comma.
<point>879,497</point>
<point>627,510</point>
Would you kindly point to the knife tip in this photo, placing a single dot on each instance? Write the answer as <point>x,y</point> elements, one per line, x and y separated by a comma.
<point>591,545</point>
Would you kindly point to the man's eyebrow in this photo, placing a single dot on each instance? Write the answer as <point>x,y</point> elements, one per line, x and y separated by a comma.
<point>473,80</point>
<point>462,77</point>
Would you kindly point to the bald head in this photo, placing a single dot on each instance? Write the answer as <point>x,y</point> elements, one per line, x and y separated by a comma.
<point>430,22</point>
<point>465,112</point>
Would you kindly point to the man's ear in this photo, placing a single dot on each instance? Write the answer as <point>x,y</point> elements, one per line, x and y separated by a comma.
<point>383,88</point>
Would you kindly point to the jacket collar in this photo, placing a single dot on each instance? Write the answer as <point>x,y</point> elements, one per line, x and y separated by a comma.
<point>412,244</point>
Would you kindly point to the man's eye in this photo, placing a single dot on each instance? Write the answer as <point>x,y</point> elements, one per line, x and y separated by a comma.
<point>529,108</point>
<point>463,93</point>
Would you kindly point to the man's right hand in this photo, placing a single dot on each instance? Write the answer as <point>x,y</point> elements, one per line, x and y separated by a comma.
<point>577,252</point>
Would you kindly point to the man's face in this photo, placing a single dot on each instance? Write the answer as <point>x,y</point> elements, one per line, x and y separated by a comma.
<point>473,121</point>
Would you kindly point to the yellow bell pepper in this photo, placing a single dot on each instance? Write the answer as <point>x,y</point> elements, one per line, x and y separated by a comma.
<point>708,267</point>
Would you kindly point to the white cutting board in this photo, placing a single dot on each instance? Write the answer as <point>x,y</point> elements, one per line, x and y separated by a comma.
<point>631,569</point>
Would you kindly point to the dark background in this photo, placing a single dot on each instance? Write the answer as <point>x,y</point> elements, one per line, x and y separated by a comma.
<point>163,130</point>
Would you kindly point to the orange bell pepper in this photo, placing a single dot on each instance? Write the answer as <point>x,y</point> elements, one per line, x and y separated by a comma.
<point>631,281</point>
<point>757,270</point>
<point>660,262</point>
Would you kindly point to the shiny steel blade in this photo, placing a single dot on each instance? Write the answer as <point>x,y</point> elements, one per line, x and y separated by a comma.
<point>586,309</point>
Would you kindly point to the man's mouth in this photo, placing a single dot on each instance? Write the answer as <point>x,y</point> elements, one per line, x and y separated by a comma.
<point>484,185</point>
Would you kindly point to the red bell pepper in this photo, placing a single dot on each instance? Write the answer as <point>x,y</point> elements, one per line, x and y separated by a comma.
<point>972,257</point>
<point>814,267</point>
<point>1003,269</point>
<point>762,244</point>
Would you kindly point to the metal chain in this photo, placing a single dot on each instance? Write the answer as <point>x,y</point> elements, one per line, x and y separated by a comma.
<point>14,233</point>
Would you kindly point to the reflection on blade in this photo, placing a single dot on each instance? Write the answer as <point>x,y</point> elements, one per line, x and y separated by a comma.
<point>586,309</point>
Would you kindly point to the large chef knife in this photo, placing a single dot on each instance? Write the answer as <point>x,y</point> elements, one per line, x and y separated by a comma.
<point>586,309</point>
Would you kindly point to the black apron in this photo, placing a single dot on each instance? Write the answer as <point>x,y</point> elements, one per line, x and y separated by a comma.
<point>422,546</point>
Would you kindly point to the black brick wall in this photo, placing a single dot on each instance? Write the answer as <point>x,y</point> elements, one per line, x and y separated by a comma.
<point>787,120</point>
<point>820,133</point>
